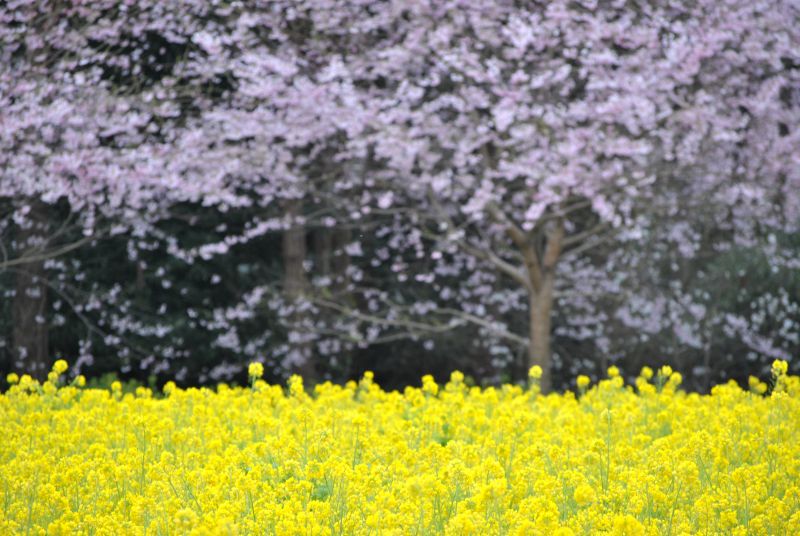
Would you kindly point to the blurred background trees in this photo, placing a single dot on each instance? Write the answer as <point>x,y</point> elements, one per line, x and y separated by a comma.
<point>407,187</point>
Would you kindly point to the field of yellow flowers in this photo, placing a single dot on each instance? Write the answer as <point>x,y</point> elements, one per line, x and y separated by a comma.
<point>440,459</point>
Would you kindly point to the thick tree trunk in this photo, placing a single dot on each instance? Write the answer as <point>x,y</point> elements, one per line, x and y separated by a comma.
<point>340,262</point>
<point>29,308</point>
<point>542,273</point>
<point>330,258</point>
<point>539,352</point>
<point>323,251</point>
<point>537,275</point>
<point>332,261</point>
<point>295,281</point>
<point>296,285</point>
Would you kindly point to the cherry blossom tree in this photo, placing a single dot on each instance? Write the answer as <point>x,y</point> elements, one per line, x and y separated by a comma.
<point>526,135</point>
<point>427,165</point>
<point>85,120</point>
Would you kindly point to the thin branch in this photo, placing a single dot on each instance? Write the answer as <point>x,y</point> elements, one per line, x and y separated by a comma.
<point>416,328</point>
<point>514,272</point>
<point>589,245</point>
<point>91,327</point>
<point>580,237</point>
<point>562,212</point>
<point>523,341</point>
<point>520,239</point>
<point>409,324</point>
<point>63,228</point>
<point>26,259</point>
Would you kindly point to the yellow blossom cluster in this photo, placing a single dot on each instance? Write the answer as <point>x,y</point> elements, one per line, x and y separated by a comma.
<point>439,459</point>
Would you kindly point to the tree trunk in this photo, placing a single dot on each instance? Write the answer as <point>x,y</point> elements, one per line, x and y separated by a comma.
<point>29,308</point>
<point>542,273</point>
<point>331,261</point>
<point>539,353</point>
<point>30,336</point>
<point>323,251</point>
<point>295,286</point>
<point>341,262</point>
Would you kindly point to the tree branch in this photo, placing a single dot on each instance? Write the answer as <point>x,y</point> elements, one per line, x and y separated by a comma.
<point>520,239</point>
<point>553,250</point>
<point>580,237</point>
<point>588,245</point>
<point>410,324</point>
<point>47,255</point>
<point>522,341</point>
<point>514,272</point>
<point>416,328</point>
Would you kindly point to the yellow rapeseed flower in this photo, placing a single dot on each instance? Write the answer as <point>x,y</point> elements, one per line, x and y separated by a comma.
<point>627,525</point>
<point>255,370</point>
<point>429,385</point>
<point>779,368</point>
<point>185,519</point>
<point>356,459</point>
<point>584,494</point>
